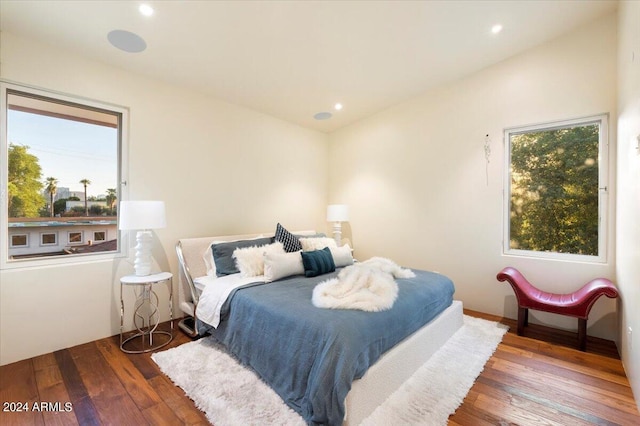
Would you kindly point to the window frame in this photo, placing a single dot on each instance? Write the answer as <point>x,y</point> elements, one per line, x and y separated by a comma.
<point>26,237</point>
<point>71,242</point>
<point>99,232</point>
<point>7,86</point>
<point>603,189</point>
<point>43,244</point>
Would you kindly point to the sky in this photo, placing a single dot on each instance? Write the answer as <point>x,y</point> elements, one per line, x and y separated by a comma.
<point>68,150</point>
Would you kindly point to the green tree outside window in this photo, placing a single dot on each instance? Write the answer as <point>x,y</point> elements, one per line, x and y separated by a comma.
<point>554,190</point>
<point>24,183</point>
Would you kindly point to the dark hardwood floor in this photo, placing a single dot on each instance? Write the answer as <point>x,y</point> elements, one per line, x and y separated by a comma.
<point>536,379</point>
<point>541,378</point>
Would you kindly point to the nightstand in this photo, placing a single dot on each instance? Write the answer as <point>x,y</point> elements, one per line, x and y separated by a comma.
<point>145,314</point>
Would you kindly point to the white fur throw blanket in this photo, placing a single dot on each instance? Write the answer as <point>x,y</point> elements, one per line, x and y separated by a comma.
<point>366,286</point>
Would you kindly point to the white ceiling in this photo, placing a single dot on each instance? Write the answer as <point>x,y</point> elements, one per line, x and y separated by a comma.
<point>292,59</point>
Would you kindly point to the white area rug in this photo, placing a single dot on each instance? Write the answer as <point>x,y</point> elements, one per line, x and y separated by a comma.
<point>231,394</point>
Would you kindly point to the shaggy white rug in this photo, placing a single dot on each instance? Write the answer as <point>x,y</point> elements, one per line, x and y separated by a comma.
<point>231,394</point>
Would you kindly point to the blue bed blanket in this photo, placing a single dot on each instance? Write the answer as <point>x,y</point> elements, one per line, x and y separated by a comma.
<point>310,356</point>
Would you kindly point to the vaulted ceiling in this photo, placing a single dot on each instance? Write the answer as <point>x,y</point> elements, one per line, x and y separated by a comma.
<point>293,59</point>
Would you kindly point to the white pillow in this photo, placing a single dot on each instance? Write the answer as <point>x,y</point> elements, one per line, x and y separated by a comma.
<point>278,265</point>
<point>250,260</point>
<point>207,256</point>
<point>342,255</point>
<point>311,244</point>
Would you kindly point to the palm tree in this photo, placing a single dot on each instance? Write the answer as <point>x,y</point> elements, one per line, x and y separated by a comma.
<point>51,187</point>
<point>85,182</point>
<point>111,197</point>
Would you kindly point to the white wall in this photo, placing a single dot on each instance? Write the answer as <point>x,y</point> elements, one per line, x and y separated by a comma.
<point>628,205</point>
<point>220,168</point>
<point>414,175</point>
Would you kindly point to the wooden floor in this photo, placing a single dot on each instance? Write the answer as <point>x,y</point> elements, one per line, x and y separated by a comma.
<point>526,382</point>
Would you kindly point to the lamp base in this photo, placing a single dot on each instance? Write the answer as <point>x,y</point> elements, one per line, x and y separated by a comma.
<point>337,233</point>
<point>142,262</point>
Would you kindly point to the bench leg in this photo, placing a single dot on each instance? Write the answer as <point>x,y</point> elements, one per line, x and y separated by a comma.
<point>582,334</point>
<point>523,319</point>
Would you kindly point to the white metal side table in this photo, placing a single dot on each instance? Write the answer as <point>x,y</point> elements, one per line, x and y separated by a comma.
<point>145,314</point>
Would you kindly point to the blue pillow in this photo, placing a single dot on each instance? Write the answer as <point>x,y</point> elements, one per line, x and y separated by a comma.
<point>223,254</point>
<point>317,262</point>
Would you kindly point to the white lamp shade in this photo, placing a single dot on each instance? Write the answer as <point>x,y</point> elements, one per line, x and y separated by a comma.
<point>337,213</point>
<point>141,215</point>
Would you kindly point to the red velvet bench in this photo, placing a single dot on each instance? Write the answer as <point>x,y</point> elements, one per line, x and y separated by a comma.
<point>577,304</point>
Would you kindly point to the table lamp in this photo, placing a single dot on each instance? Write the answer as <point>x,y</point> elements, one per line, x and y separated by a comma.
<point>142,216</point>
<point>337,213</point>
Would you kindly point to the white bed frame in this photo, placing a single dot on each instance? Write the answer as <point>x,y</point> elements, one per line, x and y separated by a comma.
<point>382,378</point>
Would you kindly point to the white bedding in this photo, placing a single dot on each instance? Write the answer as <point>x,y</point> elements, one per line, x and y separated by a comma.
<point>202,282</point>
<point>215,291</point>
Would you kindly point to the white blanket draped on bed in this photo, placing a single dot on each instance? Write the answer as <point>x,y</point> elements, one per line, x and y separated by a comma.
<point>215,293</point>
<point>366,286</point>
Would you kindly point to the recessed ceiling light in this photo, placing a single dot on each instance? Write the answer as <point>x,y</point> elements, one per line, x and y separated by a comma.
<point>145,9</point>
<point>127,41</point>
<point>496,28</point>
<point>338,106</point>
<point>322,116</point>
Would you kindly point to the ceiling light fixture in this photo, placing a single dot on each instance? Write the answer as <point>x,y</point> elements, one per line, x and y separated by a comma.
<point>338,106</point>
<point>145,9</point>
<point>496,28</point>
<point>127,41</point>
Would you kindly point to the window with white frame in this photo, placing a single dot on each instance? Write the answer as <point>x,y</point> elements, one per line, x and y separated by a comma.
<point>48,239</point>
<point>19,240</point>
<point>75,237</point>
<point>556,190</point>
<point>62,162</point>
<point>100,236</point>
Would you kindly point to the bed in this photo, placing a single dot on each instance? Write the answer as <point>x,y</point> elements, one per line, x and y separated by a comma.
<point>373,383</point>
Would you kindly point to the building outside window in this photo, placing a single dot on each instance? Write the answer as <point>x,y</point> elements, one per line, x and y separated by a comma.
<point>556,203</point>
<point>64,166</point>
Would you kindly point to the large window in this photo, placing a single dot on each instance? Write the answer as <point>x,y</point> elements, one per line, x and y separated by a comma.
<point>556,200</point>
<point>62,166</point>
